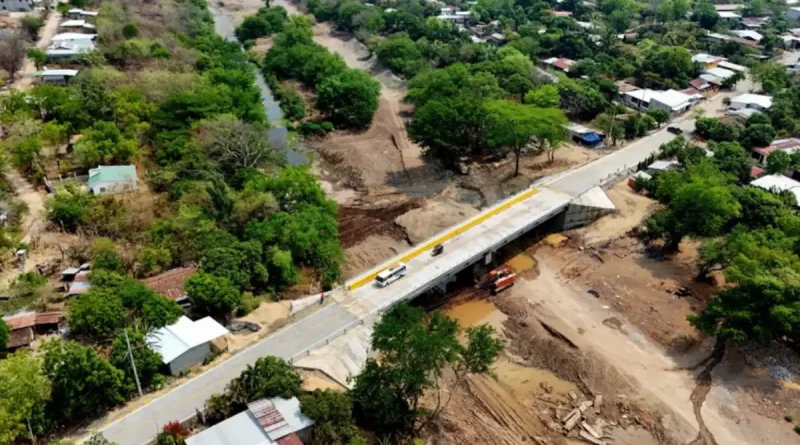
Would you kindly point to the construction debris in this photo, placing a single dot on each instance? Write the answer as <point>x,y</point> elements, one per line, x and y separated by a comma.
<point>588,437</point>
<point>585,405</point>
<point>598,400</point>
<point>588,428</point>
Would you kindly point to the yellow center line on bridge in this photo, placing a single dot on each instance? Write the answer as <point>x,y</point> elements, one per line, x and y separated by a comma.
<point>415,251</point>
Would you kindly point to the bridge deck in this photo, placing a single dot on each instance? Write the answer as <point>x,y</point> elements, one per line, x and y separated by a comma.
<point>495,229</point>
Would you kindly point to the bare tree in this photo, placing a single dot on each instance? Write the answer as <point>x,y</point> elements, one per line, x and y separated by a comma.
<point>12,53</point>
<point>237,145</point>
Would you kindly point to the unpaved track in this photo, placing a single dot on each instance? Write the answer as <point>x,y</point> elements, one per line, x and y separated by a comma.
<point>570,309</point>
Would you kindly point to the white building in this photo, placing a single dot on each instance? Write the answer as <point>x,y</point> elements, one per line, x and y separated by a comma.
<point>16,5</point>
<point>749,100</point>
<point>77,26</point>
<point>674,102</point>
<point>56,77</point>
<point>77,14</point>
<point>793,13</point>
<point>749,34</point>
<point>265,422</point>
<point>185,343</point>
<point>777,184</point>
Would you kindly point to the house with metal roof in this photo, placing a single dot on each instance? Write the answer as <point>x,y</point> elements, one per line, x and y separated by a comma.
<point>265,422</point>
<point>106,179</point>
<point>55,77</point>
<point>672,101</point>
<point>185,343</point>
<point>748,100</point>
<point>77,13</point>
<point>78,26</point>
<point>777,184</point>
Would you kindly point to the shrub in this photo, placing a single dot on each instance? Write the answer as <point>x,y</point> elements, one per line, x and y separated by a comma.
<point>173,433</point>
<point>797,429</point>
<point>788,417</point>
<point>130,31</point>
<point>327,126</point>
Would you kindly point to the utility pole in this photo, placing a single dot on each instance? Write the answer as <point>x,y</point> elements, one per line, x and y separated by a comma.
<point>133,364</point>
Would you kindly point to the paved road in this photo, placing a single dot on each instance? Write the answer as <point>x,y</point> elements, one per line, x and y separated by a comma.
<point>141,426</point>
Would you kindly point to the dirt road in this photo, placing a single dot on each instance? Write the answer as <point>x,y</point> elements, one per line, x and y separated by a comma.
<point>572,310</point>
<point>47,32</point>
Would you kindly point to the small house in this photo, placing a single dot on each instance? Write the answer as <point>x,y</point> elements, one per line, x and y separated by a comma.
<point>748,100</point>
<point>16,6</point>
<point>264,422</point>
<point>77,26</point>
<point>110,179</point>
<point>55,77</point>
<point>707,60</point>
<point>778,184</point>
<point>558,63</point>
<point>78,14</point>
<point>170,283</point>
<point>24,327</point>
<point>662,166</point>
<point>674,102</point>
<point>728,7</point>
<point>788,146</point>
<point>185,343</point>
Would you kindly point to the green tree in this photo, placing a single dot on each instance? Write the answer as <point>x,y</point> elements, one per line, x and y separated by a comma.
<point>25,391</point>
<point>731,158</point>
<point>268,377</point>
<point>211,294</point>
<point>705,14</point>
<point>83,383</point>
<point>730,82</point>
<point>778,162</point>
<point>5,331</point>
<point>758,135</point>
<point>511,126</point>
<point>546,96</point>
<point>349,98</point>
<point>99,439</point>
<point>400,54</point>
<point>103,143</point>
<point>130,31</point>
<point>281,267</point>
<point>666,66</point>
<point>660,115</point>
<point>38,57</point>
<point>96,313</point>
<point>148,362</point>
<point>332,413</point>
<point>415,349</point>
<point>772,76</point>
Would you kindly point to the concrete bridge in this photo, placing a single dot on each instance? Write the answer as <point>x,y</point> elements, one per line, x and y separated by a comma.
<point>335,339</point>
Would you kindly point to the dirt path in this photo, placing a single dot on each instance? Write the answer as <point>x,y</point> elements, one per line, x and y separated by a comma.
<point>570,309</point>
<point>47,32</point>
<point>33,222</point>
<point>704,436</point>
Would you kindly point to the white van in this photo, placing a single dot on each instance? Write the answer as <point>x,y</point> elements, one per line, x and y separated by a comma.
<point>391,275</point>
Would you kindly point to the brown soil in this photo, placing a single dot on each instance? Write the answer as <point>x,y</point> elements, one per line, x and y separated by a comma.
<point>356,223</point>
<point>369,253</point>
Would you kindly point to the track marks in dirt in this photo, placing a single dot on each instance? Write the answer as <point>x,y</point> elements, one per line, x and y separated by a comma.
<point>704,436</point>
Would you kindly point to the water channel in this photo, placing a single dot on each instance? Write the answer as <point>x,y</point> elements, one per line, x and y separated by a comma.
<point>277,134</point>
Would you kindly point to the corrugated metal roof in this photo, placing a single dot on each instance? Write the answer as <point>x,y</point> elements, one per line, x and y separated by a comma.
<point>267,415</point>
<point>20,337</point>
<point>174,340</point>
<point>291,439</point>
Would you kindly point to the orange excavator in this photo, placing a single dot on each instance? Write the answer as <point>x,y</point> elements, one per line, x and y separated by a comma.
<point>498,279</point>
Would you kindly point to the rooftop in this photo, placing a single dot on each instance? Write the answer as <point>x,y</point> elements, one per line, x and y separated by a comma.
<point>750,98</point>
<point>265,422</point>
<point>671,98</point>
<point>174,340</point>
<point>728,6</point>
<point>706,58</point>
<point>67,73</point>
<point>112,173</point>
<point>728,15</point>
<point>722,73</point>
<point>749,34</point>
<point>170,283</point>
<point>32,319</point>
<point>67,36</point>
<point>778,183</point>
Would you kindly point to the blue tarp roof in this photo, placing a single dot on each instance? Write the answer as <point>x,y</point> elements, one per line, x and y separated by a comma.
<point>591,138</point>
